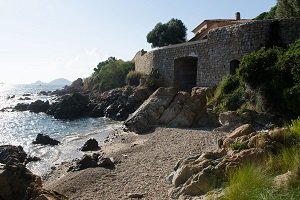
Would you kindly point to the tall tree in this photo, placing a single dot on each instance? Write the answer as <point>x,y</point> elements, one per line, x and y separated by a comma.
<point>172,32</point>
<point>288,8</point>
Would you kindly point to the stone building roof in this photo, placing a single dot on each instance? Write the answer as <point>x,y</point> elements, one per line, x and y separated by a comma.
<point>202,29</point>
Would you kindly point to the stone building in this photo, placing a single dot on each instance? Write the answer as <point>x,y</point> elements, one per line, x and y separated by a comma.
<point>206,61</point>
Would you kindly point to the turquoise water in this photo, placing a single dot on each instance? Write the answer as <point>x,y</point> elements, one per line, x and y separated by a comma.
<point>21,128</point>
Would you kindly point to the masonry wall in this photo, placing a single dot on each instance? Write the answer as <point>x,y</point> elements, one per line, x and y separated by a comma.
<point>222,46</point>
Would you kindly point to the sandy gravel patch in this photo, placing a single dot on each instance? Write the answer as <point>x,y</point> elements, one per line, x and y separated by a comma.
<point>144,161</point>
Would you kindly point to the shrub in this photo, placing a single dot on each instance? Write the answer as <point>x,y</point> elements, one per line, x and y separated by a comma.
<point>152,80</point>
<point>238,146</point>
<point>133,78</point>
<point>248,183</point>
<point>229,94</point>
<point>110,74</point>
<point>287,160</point>
<point>258,67</point>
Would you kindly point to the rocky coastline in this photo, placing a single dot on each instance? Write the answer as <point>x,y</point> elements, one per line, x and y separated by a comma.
<point>193,133</point>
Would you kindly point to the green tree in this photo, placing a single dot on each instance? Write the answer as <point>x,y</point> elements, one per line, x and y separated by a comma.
<point>173,32</point>
<point>268,15</point>
<point>109,74</point>
<point>288,8</point>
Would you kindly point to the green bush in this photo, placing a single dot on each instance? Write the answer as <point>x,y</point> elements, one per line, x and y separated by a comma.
<point>238,146</point>
<point>258,67</point>
<point>133,78</point>
<point>267,80</point>
<point>229,94</point>
<point>109,74</point>
<point>247,183</point>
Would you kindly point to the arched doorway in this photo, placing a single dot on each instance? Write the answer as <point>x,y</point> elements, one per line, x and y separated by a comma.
<point>185,73</point>
<point>234,65</point>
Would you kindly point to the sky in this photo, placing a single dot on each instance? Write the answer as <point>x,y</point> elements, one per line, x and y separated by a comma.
<point>49,39</point>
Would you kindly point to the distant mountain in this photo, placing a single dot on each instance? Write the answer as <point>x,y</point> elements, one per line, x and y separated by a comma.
<point>38,83</point>
<point>60,81</point>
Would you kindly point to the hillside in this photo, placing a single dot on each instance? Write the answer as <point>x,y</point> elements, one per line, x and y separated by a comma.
<point>60,81</point>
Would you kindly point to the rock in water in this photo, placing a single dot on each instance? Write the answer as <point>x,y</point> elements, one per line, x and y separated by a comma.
<point>44,140</point>
<point>39,106</point>
<point>21,107</point>
<point>90,145</point>
<point>70,107</point>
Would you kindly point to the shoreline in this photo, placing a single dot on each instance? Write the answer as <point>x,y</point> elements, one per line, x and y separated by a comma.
<point>142,164</point>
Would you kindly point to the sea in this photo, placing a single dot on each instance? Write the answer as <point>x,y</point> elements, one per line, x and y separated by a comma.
<point>21,128</point>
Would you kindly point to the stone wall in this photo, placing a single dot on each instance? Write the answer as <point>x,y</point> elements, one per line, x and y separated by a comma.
<point>222,46</point>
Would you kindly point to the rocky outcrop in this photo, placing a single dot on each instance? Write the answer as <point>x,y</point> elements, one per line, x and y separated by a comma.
<point>118,103</point>
<point>45,140</point>
<point>92,161</point>
<point>230,120</point>
<point>167,106</point>
<point>21,107</point>
<point>70,107</point>
<point>90,145</point>
<point>38,106</point>
<point>75,87</point>
<point>16,181</point>
<point>148,114</point>
<point>200,174</point>
<point>12,153</point>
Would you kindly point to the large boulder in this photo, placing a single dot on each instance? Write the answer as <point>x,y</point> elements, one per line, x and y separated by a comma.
<point>90,145</point>
<point>21,107</point>
<point>39,106</point>
<point>12,153</point>
<point>229,117</point>
<point>18,183</point>
<point>175,108</point>
<point>193,107</point>
<point>45,140</point>
<point>70,107</point>
<point>245,129</point>
<point>148,114</point>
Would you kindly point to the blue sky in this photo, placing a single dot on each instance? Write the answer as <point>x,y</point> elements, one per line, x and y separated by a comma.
<point>48,39</point>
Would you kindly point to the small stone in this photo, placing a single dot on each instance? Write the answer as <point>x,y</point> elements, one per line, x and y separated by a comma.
<point>135,195</point>
<point>106,162</point>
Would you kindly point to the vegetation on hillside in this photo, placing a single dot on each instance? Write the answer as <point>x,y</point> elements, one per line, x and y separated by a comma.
<point>109,74</point>
<point>172,32</point>
<point>267,80</point>
<point>283,9</point>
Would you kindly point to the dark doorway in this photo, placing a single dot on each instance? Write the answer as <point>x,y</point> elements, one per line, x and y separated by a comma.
<point>234,65</point>
<point>185,73</point>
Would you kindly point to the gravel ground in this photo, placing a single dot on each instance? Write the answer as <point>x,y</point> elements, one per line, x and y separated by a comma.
<point>143,162</point>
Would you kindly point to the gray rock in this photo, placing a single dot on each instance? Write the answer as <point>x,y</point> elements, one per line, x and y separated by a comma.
<point>90,145</point>
<point>135,195</point>
<point>148,114</point>
<point>45,140</point>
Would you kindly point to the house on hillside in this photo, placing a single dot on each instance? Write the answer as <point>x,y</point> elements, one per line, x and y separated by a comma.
<point>201,31</point>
